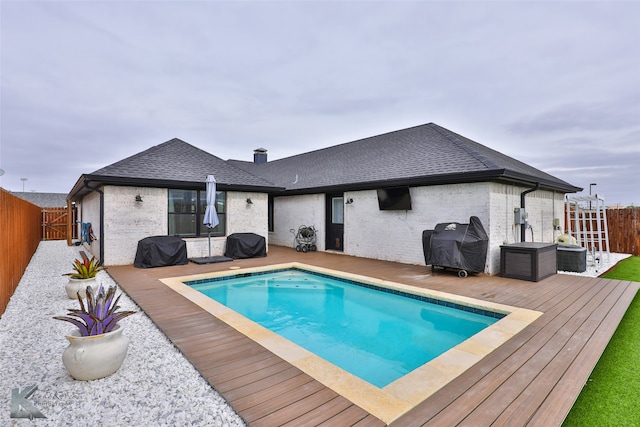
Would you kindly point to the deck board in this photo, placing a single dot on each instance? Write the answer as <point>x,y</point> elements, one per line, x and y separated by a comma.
<point>532,379</point>
<point>280,409</point>
<point>567,389</point>
<point>476,385</point>
<point>280,388</point>
<point>330,412</point>
<point>535,372</point>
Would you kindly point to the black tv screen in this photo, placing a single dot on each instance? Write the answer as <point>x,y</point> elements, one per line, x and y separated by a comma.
<point>394,199</point>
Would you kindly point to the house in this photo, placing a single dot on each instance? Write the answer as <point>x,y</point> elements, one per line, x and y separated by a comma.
<point>446,177</point>
<point>161,191</point>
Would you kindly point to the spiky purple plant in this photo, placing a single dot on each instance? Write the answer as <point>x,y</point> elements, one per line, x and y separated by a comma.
<point>99,316</point>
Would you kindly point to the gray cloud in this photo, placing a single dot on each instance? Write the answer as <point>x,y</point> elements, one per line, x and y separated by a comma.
<point>593,116</point>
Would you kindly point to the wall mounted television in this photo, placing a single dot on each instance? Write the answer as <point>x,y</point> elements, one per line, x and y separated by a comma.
<point>394,199</point>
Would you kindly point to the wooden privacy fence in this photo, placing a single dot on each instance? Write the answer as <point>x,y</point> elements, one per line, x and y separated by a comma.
<point>624,230</point>
<point>623,227</point>
<point>20,235</point>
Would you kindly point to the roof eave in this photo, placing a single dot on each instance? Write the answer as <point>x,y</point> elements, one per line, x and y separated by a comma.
<point>501,175</point>
<point>79,189</point>
<point>545,184</point>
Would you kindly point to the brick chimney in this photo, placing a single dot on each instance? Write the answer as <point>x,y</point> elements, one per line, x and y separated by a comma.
<point>260,156</point>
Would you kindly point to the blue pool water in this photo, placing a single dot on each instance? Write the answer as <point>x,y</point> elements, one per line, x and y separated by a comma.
<point>378,336</point>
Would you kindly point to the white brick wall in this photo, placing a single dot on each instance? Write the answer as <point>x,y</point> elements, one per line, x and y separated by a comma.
<point>369,232</point>
<point>247,218</point>
<point>542,207</point>
<point>397,235</point>
<point>127,221</point>
<point>291,212</point>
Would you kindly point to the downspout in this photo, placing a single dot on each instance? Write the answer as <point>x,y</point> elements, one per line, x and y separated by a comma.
<point>523,227</point>
<point>86,184</point>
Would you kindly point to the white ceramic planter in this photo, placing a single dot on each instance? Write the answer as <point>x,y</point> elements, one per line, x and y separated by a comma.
<point>97,356</point>
<point>74,285</point>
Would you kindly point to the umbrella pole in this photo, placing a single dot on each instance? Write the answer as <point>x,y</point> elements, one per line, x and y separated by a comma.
<point>209,234</point>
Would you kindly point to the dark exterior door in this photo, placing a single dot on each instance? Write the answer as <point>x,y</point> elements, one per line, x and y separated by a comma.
<point>335,222</point>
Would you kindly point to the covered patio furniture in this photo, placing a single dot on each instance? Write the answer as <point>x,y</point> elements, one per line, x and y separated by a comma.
<point>160,251</point>
<point>245,245</point>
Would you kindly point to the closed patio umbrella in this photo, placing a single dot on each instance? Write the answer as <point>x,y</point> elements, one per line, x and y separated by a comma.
<point>210,221</point>
<point>210,214</point>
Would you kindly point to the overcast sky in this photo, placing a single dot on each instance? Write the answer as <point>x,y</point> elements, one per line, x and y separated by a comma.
<point>84,84</point>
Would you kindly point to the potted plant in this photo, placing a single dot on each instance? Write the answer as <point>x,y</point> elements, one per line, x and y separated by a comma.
<point>85,271</point>
<point>97,348</point>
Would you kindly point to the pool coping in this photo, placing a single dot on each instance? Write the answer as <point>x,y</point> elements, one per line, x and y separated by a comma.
<point>397,398</point>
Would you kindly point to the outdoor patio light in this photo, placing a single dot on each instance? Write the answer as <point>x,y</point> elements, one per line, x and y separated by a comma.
<point>349,201</point>
<point>139,198</point>
<point>249,202</point>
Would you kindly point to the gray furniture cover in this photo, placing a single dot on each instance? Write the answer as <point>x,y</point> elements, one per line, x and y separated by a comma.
<point>160,251</point>
<point>245,245</point>
<point>461,246</point>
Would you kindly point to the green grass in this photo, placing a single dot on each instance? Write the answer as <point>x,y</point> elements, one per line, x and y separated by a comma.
<point>610,397</point>
<point>627,269</point>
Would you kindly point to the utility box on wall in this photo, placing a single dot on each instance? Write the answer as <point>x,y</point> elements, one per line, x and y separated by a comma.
<point>519,216</point>
<point>528,260</point>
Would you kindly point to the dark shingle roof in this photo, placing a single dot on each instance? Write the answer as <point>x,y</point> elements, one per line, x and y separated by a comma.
<point>421,155</point>
<point>44,200</point>
<point>174,163</point>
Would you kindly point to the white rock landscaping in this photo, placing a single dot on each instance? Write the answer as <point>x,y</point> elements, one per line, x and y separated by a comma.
<point>156,385</point>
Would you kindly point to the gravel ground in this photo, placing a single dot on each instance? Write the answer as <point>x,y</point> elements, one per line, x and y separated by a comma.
<point>598,268</point>
<point>156,385</point>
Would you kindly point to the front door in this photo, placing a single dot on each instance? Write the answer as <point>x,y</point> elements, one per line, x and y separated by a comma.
<point>335,222</point>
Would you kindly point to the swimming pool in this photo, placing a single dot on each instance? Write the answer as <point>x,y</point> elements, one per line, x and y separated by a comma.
<point>396,398</point>
<point>374,334</point>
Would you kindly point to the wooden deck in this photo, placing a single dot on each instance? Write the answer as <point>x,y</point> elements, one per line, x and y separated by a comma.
<point>533,379</point>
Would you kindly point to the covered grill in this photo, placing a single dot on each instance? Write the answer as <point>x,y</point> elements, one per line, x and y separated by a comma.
<point>459,246</point>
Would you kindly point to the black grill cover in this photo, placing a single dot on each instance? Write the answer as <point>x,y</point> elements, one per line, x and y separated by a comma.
<point>462,246</point>
<point>245,245</point>
<point>160,251</point>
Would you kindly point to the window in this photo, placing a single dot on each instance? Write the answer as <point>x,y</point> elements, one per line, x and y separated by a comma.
<point>337,210</point>
<point>186,213</point>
